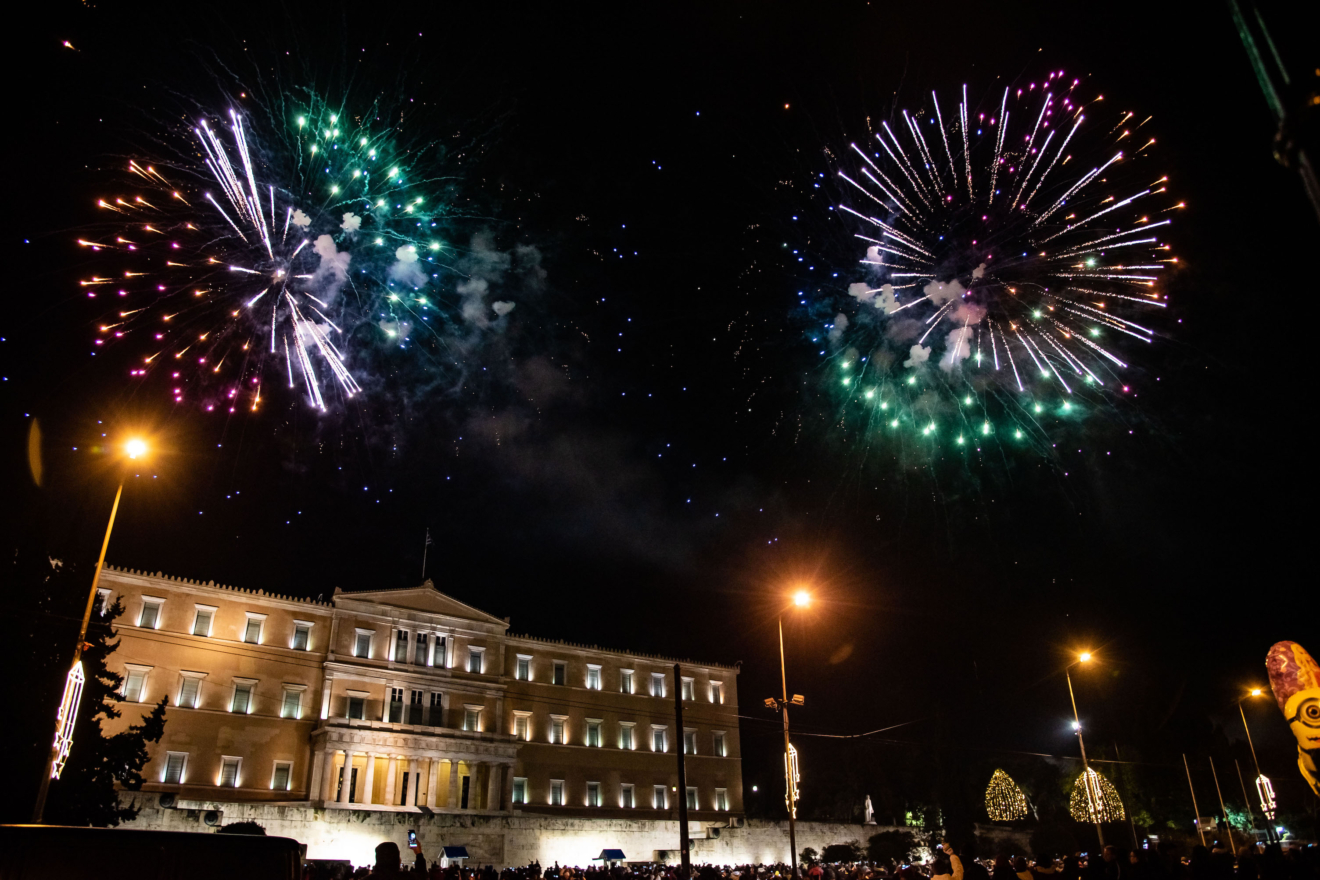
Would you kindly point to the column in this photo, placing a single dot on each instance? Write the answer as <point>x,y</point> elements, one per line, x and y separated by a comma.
<point>391,768</point>
<point>314,784</point>
<point>410,790</point>
<point>506,802</point>
<point>453,783</point>
<point>369,783</point>
<point>347,787</point>
<point>433,784</point>
<point>493,787</point>
<point>328,777</point>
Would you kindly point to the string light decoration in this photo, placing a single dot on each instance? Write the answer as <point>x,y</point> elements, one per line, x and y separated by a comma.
<point>1004,801</point>
<point>1094,799</point>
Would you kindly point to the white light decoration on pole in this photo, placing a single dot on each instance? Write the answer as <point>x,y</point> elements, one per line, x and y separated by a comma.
<point>73,687</point>
<point>792,778</point>
<point>1265,789</point>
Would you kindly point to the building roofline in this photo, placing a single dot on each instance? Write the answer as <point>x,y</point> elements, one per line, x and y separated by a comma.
<point>190,582</point>
<point>639,654</point>
<point>428,584</point>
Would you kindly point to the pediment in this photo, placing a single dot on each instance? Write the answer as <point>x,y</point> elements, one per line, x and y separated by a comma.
<point>425,598</point>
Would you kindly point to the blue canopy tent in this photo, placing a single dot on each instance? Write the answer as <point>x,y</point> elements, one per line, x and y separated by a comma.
<point>610,856</point>
<point>450,855</point>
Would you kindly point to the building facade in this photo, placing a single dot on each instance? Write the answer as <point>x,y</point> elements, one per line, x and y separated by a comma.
<point>409,700</point>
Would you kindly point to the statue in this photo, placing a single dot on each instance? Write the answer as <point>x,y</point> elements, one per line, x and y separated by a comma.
<point>1295,679</point>
<point>870,813</point>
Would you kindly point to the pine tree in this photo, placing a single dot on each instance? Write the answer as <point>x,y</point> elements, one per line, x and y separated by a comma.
<point>85,792</point>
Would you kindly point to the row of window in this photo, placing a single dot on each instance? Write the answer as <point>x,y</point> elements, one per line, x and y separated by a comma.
<point>557,734</point>
<point>254,626</point>
<point>523,672</point>
<point>239,697</point>
<point>229,774</point>
<point>626,796</point>
<point>417,710</point>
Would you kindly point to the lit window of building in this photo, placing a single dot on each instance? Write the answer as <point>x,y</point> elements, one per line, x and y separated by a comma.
<point>626,799</point>
<point>593,677</point>
<point>282,777</point>
<point>149,616</point>
<point>135,683</point>
<point>190,690</point>
<point>557,792</point>
<point>717,692</point>
<point>476,660</point>
<point>561,672</point>
<point>657,684</point>
<point>626,737</point>
<point>593,732</point>
<point>523,671</point>
<point>689,741</point>
<point>593,794</point>
<point>241,704</point>
<point>302,635</point>
<point>625,681</point>
<point>202,619</point>
<point>659,738</point>
<point>689,689</point>
<point>520,789</point>
<point>660,797</point>
<point>362,644</point>
<point>175,764</point>
<point>252,630</point>
<point>718,743</point>
<point>229,771</point>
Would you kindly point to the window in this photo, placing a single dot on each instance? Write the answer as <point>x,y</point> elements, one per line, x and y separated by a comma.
<point>302,635</point>
<point>522,726</point>
<point>292,707</point>
<point>242,702</point>
<point>626,799</point>
<point>472,717</point>
<point>475,660</point>
<point>362,644</point>
<point>626,740</point>
<point>689,689</point>
<point>135,683</point>
<point>281,778</point>
<point>717,692</point>
<point>357,705</point>
<point>437,709</point>
<point>102,601</point>
<point>593,678</point>
<point>175,763</point>
<point>416,706</point>
<point>150,616</point>
<point>561,672</point>
<point>520,789</point>
<point>593,732</point>
<point>396,705</point>
<point>557,729</point>
<point>190,690</point>
<point>202,620</point>
<point>557,792</point>
<point>692,797</point>
<point>721,799</point>
<point>523,670</point>
<point>657,684</point>
<point>440,652</point>
<point>229,768</point>
<point>720,750</point>
<point>421,649</point>
<point>252,632</point>
<point>625,681</point>
<point>658,739</point>
<point>401,646</point>
<point>659,797</point>
<point>689,741</point>
<point>593,794</point>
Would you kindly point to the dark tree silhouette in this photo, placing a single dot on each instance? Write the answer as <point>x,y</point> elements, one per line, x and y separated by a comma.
<point>85,792</point>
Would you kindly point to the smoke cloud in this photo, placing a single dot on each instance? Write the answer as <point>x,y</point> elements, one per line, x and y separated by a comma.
<point>352,222</point>
<point>941,292</point>
<point>300,219</point>
<point>917,356</point>
<point>333,271</point>
<point>406,269</point>
<point>840,327</point>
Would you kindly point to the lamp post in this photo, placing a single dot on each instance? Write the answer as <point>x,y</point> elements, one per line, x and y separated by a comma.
<point>801,599</point>
<point>1084,657</point>
<point>1264,788</point>
<point>68,711</point>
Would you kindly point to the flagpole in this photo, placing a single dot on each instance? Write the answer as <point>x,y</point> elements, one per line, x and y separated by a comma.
<point>426,546</point>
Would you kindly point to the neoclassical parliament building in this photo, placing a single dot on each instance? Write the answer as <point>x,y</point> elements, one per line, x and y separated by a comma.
<point>410,700</point>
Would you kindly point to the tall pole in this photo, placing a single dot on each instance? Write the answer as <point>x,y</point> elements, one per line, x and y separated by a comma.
<point>1227,825</point>
<point>1250,744</point>
<point>1269,820</point>
<point>1251,817</point>
<point>1195,808</point>
<point>1086,768</point>
<point>1131,821</point>
<point>683,843</point>
<point>789,783</point>
<point>39,810</point>
<point>425,547</point>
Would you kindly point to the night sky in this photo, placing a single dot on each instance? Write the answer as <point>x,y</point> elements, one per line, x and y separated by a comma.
<point>646,458</point>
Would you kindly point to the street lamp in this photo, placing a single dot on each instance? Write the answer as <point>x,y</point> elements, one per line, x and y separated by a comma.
<point>65,717</point>
<point>1084,657</point>
<point>1264,788</point>
<point>801,599</point>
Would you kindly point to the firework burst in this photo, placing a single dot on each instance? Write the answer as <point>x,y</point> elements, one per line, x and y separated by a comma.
<point>239,259</point>
<point>1012,255</point>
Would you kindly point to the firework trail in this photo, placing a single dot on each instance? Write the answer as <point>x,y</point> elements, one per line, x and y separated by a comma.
<point>1011,257</point>
<point>239,262</point>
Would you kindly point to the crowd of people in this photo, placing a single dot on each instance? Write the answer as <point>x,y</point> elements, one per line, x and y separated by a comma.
<point>1251,862</point>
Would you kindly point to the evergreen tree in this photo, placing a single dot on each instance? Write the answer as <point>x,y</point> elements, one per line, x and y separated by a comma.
<point>85,792</point>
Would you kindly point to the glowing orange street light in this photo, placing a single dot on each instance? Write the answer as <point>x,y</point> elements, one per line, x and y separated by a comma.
<point>801,599</point>
<point>134,448</point>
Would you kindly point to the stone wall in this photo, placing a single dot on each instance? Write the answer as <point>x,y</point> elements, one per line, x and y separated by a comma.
<point>506,840</point>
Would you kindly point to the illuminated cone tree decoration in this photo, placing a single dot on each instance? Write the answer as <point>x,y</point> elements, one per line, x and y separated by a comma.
<point>1004,801</point>
<point>1094,799</point>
